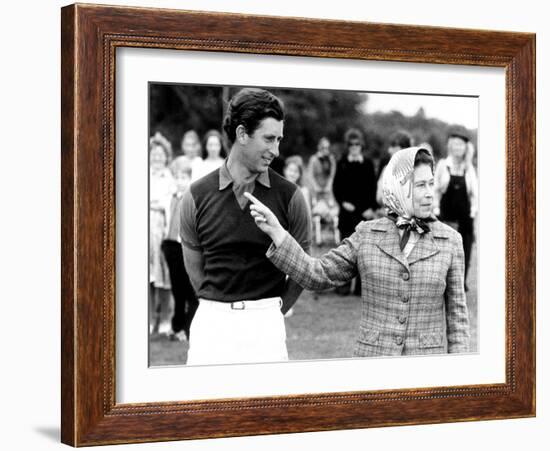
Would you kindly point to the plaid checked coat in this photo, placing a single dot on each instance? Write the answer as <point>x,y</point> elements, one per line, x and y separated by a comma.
<point>413,305</point>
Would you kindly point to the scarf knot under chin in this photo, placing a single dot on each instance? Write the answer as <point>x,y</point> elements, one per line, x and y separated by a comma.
<point>419,225</point>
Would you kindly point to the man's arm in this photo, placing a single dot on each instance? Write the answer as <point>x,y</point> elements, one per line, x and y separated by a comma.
<point>193,257</point>
<point>194,265</point>
<point>290,295</point>
<point>300,229</point>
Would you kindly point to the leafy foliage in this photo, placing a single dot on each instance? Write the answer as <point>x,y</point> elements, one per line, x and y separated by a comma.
<point>310,114</point>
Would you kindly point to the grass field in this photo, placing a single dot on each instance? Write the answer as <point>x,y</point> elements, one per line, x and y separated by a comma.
<point>323,326</point>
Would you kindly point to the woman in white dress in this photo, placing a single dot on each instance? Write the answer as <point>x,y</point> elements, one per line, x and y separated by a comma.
<point>213,154</point>
<point>161,188</point>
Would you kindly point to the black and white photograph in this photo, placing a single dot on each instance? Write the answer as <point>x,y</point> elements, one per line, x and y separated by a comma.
<point>295,224</point>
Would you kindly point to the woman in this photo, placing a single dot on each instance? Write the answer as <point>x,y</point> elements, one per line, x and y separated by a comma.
<point>410,265</point>
<point>322,169</point>
<point>293,171</point>
<point>456,191</point>
<point>161,188</point>
<point>191,148</point>
<point>212,156</point>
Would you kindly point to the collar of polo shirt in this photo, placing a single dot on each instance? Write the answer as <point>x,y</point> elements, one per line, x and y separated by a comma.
<point>226,180</point>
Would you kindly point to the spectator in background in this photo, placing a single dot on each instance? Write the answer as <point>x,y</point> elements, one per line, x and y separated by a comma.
<point>161,188</point>
<point>294,171</point>
<point>354,190</point>
<point>185,300</point>
<point>191,148</point>
<point>456,191</point>
<point>398,140</point>
<point>213,154</point>
<point>321,170</point>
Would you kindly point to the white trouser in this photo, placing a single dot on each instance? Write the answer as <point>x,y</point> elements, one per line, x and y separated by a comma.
<point>237,332</point>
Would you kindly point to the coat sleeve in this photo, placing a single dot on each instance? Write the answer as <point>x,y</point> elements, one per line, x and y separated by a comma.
<point>333,269</point>
<point>458,327</point>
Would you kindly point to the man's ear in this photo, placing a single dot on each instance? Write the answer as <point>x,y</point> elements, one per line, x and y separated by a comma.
<point>240,134</point>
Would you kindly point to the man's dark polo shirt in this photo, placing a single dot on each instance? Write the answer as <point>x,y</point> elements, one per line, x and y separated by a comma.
<point>216,221</point>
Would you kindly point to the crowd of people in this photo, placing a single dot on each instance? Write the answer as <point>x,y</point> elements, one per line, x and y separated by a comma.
<point>339,195</point>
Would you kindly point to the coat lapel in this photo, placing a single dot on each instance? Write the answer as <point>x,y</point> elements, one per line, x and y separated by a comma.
<point>424,248</point>
<point>389,242</point>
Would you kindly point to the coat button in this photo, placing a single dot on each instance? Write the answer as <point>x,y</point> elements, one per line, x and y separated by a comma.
<point>402,319</point>
<point>405,276</point>
<point>405,299</point>
<point>399,340</point>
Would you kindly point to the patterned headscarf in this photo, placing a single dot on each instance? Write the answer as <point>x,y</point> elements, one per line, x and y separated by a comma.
<point>397,190</point>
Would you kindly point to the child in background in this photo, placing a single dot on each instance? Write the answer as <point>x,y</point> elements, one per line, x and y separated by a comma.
<point>185,300</point>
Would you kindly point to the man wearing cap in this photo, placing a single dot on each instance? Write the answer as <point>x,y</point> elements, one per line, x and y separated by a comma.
<point>242,296</point>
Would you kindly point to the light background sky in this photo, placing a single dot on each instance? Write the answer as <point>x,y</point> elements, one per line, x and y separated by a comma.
<point>451,109</point>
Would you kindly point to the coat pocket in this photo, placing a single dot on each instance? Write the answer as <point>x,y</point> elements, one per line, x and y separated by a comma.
<point>430,339</point>
<point>368,336</point>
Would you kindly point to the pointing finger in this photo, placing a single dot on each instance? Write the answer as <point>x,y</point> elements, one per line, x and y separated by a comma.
<point>252,199</point>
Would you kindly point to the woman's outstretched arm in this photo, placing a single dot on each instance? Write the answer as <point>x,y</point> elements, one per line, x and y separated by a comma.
<point>332,269</point>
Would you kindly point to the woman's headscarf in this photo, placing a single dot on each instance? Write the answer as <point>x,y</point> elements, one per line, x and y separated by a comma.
<point>397,193</point>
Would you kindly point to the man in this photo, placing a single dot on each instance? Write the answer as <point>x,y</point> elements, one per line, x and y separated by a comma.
<point>355,191</point>
<point>242,296</point>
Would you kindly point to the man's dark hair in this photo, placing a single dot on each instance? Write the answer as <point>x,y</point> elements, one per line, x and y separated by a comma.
<point>248,108</point>
<point>423,156</point>
<point>401,139</point>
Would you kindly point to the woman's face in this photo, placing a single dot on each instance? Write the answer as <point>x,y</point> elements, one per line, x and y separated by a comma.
<point>190,146</point>
<point>157,157</point>
<point>456,147</point>
<point>324,147</point>
<point>423,191</point>
<point>355,148</point>
<point>292,172</point>
<point>213,147</point>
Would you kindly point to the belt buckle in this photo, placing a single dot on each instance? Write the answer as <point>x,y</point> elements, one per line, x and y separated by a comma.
<point>238,305</point>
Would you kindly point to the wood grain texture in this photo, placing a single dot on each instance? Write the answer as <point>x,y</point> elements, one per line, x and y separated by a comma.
<point>90,36</point>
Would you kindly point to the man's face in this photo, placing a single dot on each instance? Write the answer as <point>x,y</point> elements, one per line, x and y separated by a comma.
<point>262,146</point>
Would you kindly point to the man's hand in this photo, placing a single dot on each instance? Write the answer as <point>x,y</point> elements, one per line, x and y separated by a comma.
<point>266,220</point>
<point>348,206</point>
<point>369,214</point>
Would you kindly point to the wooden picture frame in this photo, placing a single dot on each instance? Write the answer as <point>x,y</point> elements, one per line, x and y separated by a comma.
<point>90,36</point>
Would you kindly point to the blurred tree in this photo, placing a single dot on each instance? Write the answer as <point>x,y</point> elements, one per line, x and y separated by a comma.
<point>310,114</point>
